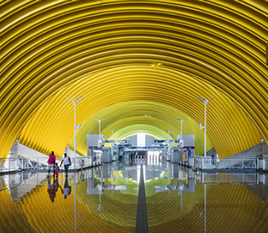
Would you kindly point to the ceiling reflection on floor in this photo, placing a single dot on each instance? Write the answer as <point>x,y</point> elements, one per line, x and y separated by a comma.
<point>104,199</point>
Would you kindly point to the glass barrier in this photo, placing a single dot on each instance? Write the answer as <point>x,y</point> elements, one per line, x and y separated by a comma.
<point>227,163</point>
<point>197,162</point>
<point>20,163</point>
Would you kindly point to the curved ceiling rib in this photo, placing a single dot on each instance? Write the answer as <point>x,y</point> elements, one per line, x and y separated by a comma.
<point>119,51</point>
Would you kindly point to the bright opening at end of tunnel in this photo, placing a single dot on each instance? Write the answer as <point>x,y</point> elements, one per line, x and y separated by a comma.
<point>141,139</point>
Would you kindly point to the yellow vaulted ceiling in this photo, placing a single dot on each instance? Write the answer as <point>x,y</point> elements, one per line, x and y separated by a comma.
<point>112,52</point>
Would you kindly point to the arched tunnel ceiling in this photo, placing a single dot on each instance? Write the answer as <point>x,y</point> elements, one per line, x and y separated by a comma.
<point>138,91</point>
<point>169,52</point>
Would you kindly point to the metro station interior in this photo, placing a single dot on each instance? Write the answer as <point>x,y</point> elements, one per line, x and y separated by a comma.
<point>161,107</point>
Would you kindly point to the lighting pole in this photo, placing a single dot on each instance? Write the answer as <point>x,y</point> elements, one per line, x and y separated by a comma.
<point>99,127</point>
<point>205,101</point>
<point>181,120</point>
<point>180,188</point>
<point>168,153</point>
<point>263,142</point>
<point>112,131</point>
<point>75,127</point>
<point>168,133</point>
<point>100,191</point>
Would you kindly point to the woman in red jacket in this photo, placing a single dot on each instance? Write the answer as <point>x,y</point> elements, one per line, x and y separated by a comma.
<point>51,162</point>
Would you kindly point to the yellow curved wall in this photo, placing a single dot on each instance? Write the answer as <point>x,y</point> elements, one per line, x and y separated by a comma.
<point>118,51</point>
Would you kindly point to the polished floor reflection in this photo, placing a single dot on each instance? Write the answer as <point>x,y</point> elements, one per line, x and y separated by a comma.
<point>105,199</point>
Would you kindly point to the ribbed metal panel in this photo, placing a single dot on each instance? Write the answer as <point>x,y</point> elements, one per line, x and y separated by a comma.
<point>109,52</point>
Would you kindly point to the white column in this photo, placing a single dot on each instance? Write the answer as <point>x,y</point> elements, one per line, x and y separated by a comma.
<point>181,129</point>
<point>205,101</point>
<point>74,133</point>
<point>99,129</point>
<point>205,131</point>
<point>74,103</point>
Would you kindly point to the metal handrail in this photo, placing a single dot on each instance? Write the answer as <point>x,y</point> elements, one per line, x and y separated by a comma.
<point>230,163</point>
<point>39,163</point>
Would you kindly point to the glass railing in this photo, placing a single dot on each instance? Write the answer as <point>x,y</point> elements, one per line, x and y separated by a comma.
<point>198,162</point>
<point>26,164</point>
<point>227,163</point>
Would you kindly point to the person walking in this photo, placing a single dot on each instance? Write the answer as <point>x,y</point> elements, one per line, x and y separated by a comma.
<point>67,162</point>
<point>51,162</point>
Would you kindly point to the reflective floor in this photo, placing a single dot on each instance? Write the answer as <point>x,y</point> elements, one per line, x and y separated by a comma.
<point>105,199</point>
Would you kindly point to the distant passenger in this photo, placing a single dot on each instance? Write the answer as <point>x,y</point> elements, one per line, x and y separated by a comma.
<point>67,162</point>
<point>51,162</point>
